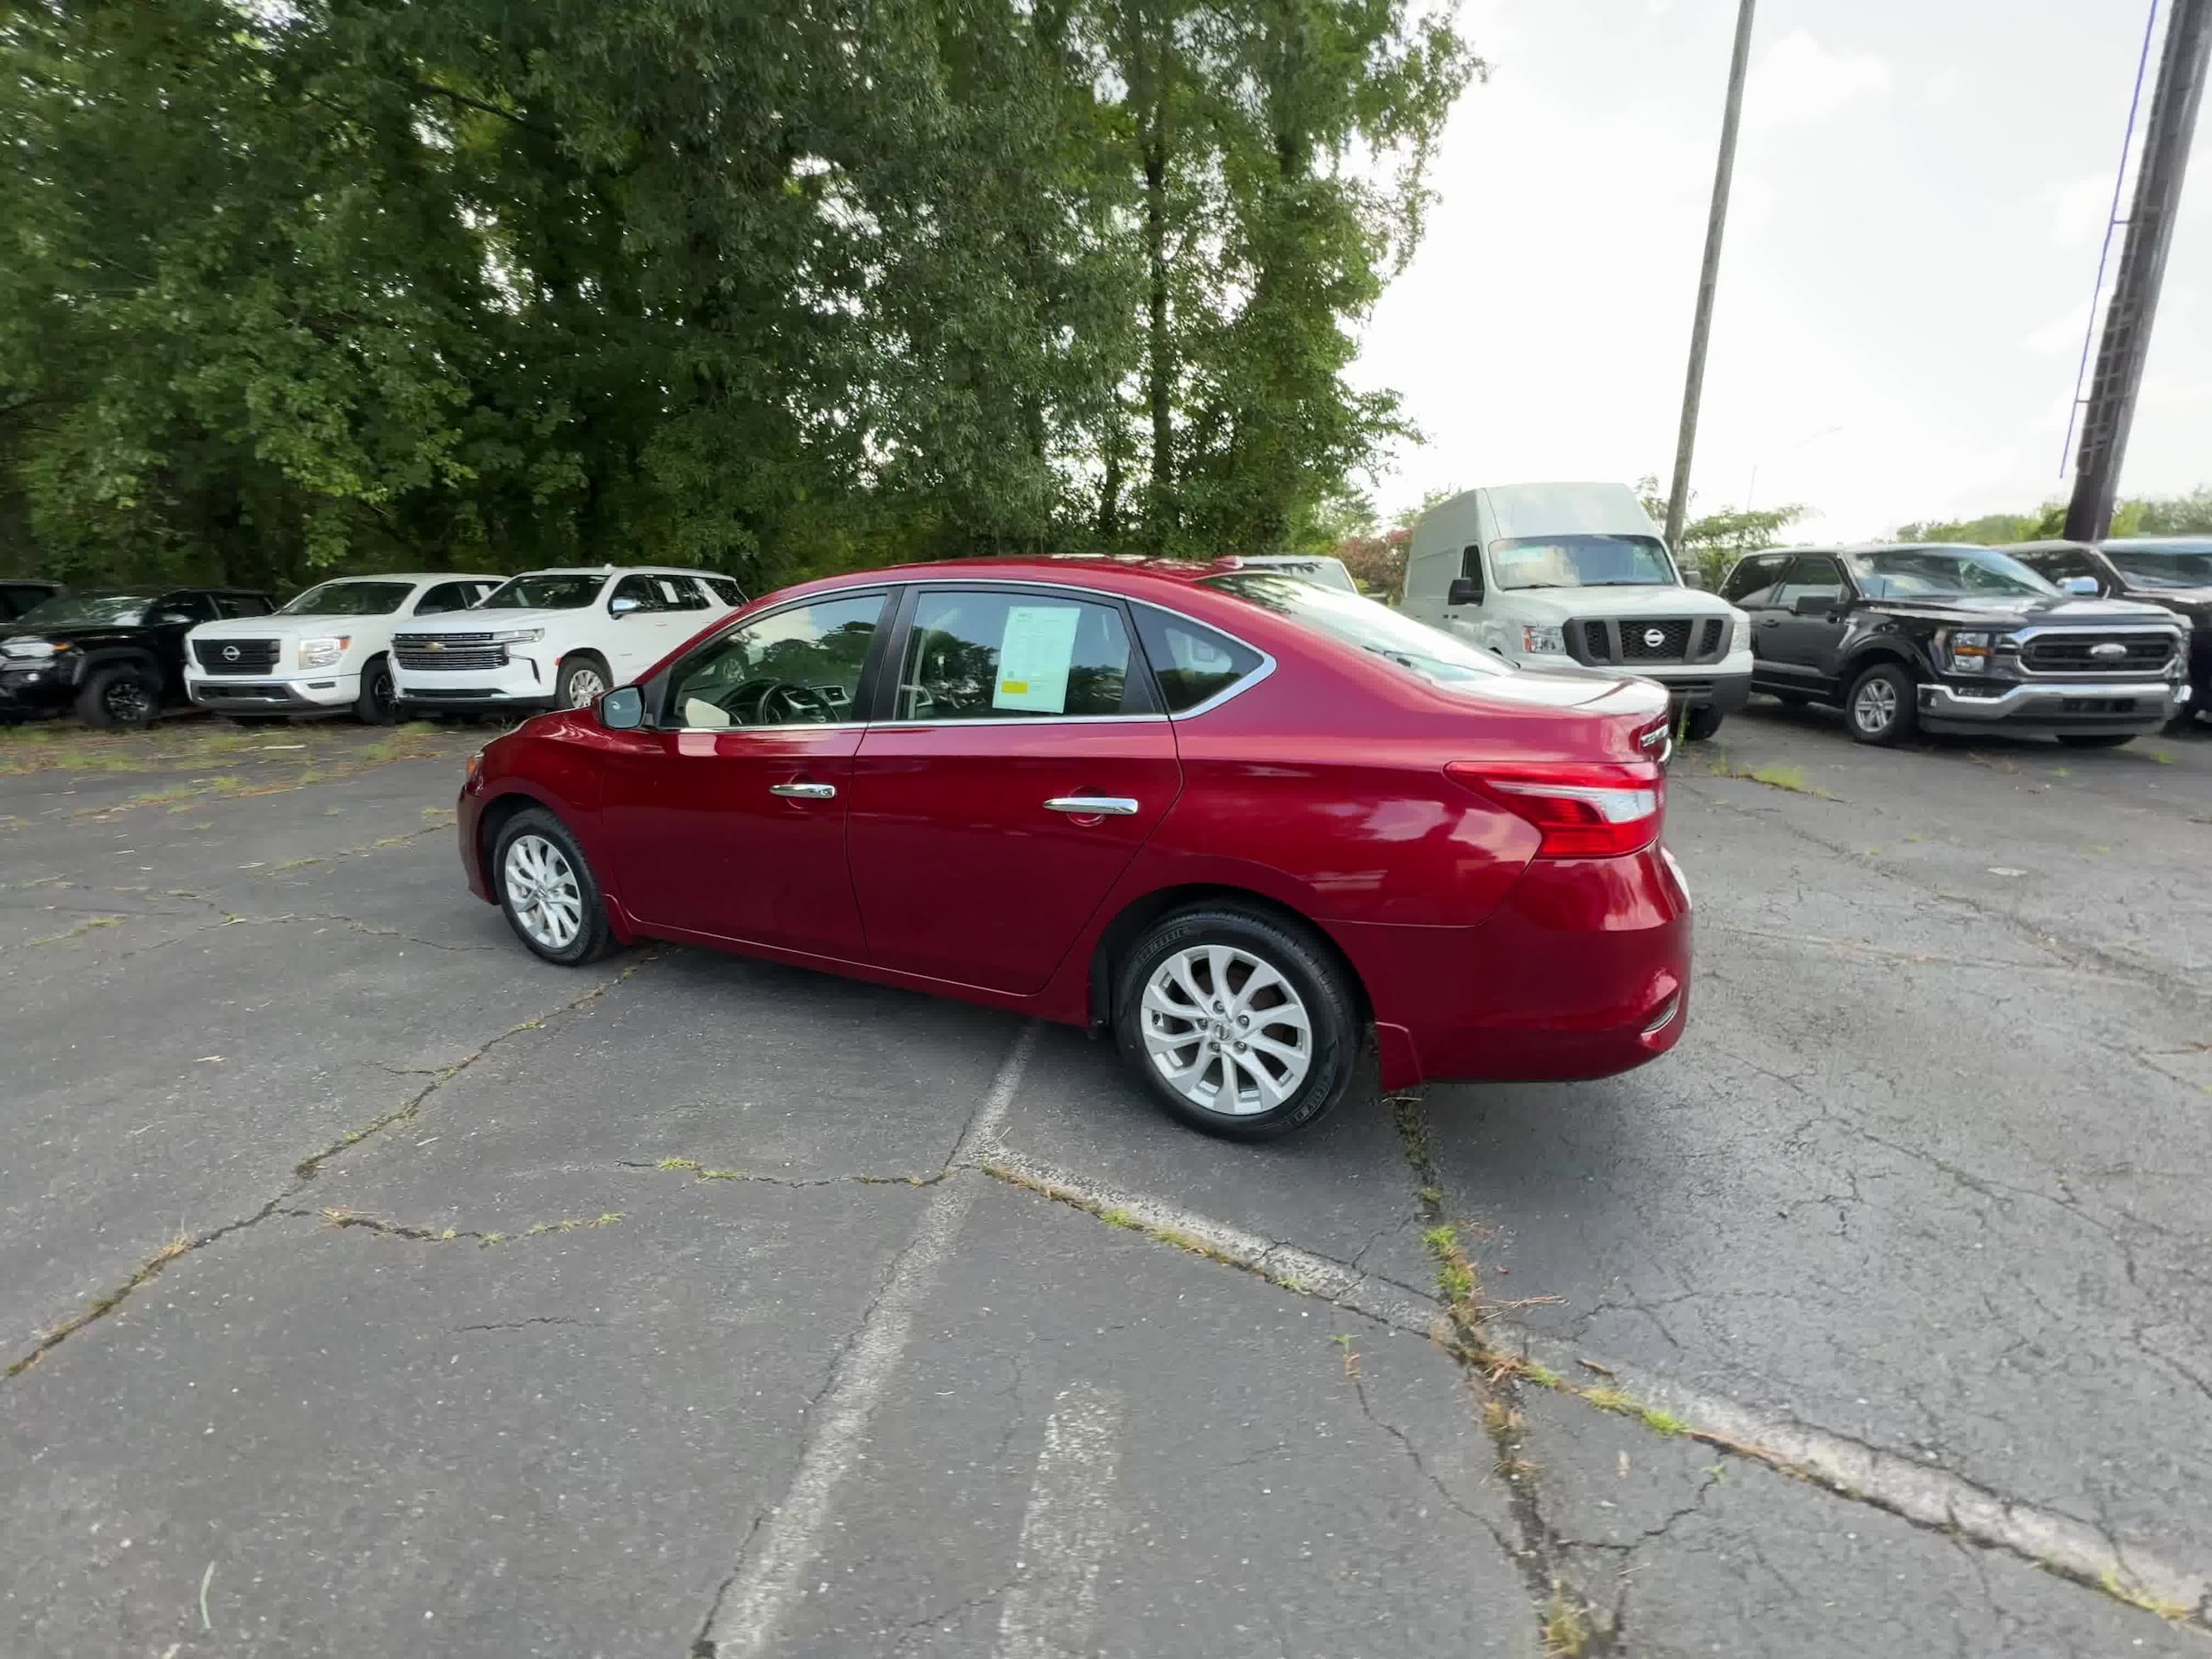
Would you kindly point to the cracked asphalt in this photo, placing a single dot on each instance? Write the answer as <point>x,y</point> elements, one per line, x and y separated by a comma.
<point>368,1286</point>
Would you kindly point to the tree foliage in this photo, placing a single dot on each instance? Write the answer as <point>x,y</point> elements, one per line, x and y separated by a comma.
<point>767,285</point>
<point>1717,539</point>
<point>2170,515</point>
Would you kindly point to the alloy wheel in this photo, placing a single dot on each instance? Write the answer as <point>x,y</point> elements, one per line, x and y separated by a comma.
<point>128,701</point>
<point>1226,1030</point>
<point>585,687</point>
<point>543,892</point>
<point>1875,707</point>
<point>380,696</point>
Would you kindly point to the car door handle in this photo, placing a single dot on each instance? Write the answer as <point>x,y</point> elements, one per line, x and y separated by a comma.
<point>1770,622</point>
<point>1093,805</point>
<point>805,791</point>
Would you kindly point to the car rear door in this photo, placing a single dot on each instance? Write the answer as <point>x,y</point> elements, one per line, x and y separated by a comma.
<point>725,818</point>
<point>1022,762</point>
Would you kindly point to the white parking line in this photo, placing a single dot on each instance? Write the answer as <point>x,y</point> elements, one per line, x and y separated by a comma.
<point>747,1620</point>
<point>1066,1531</point>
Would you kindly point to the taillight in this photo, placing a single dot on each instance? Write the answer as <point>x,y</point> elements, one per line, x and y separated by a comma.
<point>1585,809</point>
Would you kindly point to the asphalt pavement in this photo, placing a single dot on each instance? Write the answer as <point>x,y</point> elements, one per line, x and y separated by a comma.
<point>367,1285</point>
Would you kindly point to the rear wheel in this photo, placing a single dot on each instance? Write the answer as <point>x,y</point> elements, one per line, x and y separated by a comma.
<point>547,889</point>
<point>1701,724</point>
<point>2096,740</point>
<point>121,696</point>
<point>378,702</point>
<point>1241,1026</point>
<point>1879,707</point>
<point>583,679</point>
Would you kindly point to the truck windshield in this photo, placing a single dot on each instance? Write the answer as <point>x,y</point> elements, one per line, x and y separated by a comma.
<point>2163,563</point>
<point>86,610</point>
<point>1942,572</point>
<point>350,599</point>
<point>1378,629</point>
<point>543,593</point>
<point>1581,561</point>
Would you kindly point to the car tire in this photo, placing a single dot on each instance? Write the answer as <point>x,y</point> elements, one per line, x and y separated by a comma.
<point>119,697</point>
<point>1700,724</point>
<point>547,891</point>
<point>581,680</point>
<point>1881,706</point>
<point>1295,1081</point>
<point>378,702</point>
<point>2096,740</point>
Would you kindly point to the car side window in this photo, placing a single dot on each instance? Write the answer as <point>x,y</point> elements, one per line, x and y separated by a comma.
<point>1810,576</point>
<point>1751,584</point>
<point>642,589</point>
<point>680,593</point>
<point>240,605</point>
<point>723,588</point>
<point>974,654</point>
<point>798,666</point>
<point>1193,663</point>
<point>1470,566</point>
<point>2060,563</point>
<point>191,607</point>
<point>448,596</point>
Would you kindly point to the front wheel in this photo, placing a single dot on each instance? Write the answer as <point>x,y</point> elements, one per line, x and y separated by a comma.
<point>378,702</point>
<point>582,682</point>
<point>119,696</point>
<point>1239,1024</point>
<point>1701,724</point>
<point>1880,707</point>
<point>2095,740</point>
<point>546,888</point>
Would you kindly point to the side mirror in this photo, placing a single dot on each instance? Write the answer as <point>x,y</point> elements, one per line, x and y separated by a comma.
<point>1465,590</point>
<point>622,607</point>
<point>1815,604</point>
<point>1692,576</point>
<point>2086,586</point>
<point>623,709</point>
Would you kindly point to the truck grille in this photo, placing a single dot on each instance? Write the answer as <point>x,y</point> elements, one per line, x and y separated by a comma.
<point>2090,653</point>
<point>1630,640</point>
<point>439,653</point>
<point>235,657</point>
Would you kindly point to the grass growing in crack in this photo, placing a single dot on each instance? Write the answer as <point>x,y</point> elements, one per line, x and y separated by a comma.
<point>1566,1626</point>
<point>1115,1216</point>
<point>2172,1612</point>
<point>1626,1405</point>
<point>699,1171</point>
<point>88,925</point>
<point>339,1218</point>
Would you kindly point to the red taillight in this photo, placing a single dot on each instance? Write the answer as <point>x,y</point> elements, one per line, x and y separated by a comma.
<point>1585,809</point>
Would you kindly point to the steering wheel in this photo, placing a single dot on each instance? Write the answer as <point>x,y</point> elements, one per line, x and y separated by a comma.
<point>780,702</point>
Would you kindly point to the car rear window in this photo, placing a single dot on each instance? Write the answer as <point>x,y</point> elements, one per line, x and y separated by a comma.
<point>1363,624</point>
<point>1193,663</point>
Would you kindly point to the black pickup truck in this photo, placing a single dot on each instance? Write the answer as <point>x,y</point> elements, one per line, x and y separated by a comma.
<point>1957,639</point>
<point>115,658</point>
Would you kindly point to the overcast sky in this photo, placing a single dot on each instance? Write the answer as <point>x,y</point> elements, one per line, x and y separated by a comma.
<point>1920,194</point>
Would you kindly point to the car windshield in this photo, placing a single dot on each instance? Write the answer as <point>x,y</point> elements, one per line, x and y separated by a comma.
<point>350,599</point>
<point>1581,561</point>
<point>2163,563</point>
<point>1427,651</point>
<point>1326,573</point>
<point>543,593</point>
<point>1942,572</point>
<point>87,610</point>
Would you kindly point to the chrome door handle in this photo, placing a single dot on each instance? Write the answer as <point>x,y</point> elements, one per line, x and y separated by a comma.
<point>1093,805</point>
<point>805,791</point>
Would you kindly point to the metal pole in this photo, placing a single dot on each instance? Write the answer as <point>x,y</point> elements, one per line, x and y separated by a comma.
<point>1701,330</point>
<point>2125,346</point>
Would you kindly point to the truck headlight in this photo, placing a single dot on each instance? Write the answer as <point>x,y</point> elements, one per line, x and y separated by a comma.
<point>1740,635</point>
<point>1542,641</point>
<point>518,636</point>
<point>324,653</point>
<point>34,650</point>
<point>1967,652</point>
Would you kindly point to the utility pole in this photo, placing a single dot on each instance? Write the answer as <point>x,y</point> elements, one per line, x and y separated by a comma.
<point>1701,328</point>
<point>2125,346</point>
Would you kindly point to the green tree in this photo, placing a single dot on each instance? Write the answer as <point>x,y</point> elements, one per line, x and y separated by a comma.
<point>1711,543</point>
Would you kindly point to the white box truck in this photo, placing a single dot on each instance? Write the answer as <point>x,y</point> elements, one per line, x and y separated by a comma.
<point>1549,574</point>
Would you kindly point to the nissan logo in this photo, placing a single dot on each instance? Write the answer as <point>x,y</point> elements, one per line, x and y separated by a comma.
<point>230,653</point>
<point>1655,637</point>
<point>2108,650</point>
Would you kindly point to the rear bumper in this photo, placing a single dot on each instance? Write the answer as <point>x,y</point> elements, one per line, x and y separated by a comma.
<point>2058,707</point>
<point>1582,972</point>
<point>325,691</point>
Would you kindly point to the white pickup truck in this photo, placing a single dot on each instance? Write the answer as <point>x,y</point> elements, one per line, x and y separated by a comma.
<point>1551,574</point>
<point>329,649</point>
<point>556,639</point>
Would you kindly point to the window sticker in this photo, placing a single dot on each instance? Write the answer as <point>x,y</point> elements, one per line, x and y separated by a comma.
<point>1034,655</point>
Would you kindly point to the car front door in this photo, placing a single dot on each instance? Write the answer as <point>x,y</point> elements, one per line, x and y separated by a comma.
<point>1808,621</point>
<point>167,621</point>
<point>1023,763</point>
<point>1751,587</point>
<point>725,818</point>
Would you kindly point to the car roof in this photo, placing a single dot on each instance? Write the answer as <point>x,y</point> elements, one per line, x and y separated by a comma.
<point>413,576</point>
<point>615,570</point>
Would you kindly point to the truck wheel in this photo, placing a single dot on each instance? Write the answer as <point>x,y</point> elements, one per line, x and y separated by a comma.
<point>582,679</point>
<point>1881,708</point>
<point>1701,724</point>
<point>121,695</point>
<point>377,704</point>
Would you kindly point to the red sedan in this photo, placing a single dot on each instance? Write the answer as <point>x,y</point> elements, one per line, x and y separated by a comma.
<point>1235,817</point>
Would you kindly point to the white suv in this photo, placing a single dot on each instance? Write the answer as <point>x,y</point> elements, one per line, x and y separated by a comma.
<point>328,649</point>
<point>555,638</point>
